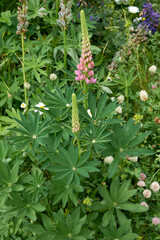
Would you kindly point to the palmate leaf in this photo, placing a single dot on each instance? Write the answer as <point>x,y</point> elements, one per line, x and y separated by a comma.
<point>64,192</point>
<point>99,111</point>
<point>95,137</point>
<point>71,168</point>
<point>121,143</point>
<point>115,200</point>
<point>32,130</point>
<point>57,99</point>
<point>121,233</point>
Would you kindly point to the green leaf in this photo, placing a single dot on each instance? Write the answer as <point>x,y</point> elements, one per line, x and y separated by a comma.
<point>114,189</point>
<point>106,218</point>
<point>133,207</point>
<point>113,167</point>
<point>129,236</point>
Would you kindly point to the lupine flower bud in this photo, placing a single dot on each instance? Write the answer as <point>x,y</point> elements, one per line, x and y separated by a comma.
<point>86,64</point>
<point>75,115</point>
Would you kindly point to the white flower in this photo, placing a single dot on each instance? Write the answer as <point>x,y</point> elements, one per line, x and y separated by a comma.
<point>147,193</point>
<point>112,99</point>
<point>143,95</point>
<point>23,105</point>
<point>133,159</point>
<point>53,76</point>
<point>144,204</point>
<point>155,186</point>
<point>41,12</point>
<point>117,1</point>
<point>137,19</point>
<point>120,99</point>
<point>153,69</point>
<point>40,105</point>
<point>27,85</point>
<point>89,112</point>
<point>141,183</point>
<point>108,160</point>
<point>118,110</point>
<point>131,29</point>
<point>133,9</point>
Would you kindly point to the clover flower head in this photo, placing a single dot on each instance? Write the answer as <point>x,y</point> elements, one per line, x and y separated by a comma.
<point>143,177</point>
<point>144,204</point>
<point>147,193</point>
<point>27,85</point>
<point>141,183</point>
<point>132,159</point>
<point>120,99</point>
<point>53,76</point>
<point>153,69</point>
<point>143,95</point>
<point>155,186</point>
<point>155,220</point>
<point>119,109</point>
<point>108,160</point>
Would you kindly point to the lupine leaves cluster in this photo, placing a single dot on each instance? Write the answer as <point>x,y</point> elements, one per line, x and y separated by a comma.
<point>79,120</point>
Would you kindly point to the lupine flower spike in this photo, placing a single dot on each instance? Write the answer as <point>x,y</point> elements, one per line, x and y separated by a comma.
<point>22,18</point>
<point>75,115</point>
<point>65,14</point>
<point>84,68</point>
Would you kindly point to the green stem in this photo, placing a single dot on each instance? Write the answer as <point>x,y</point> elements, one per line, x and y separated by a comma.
<point>57,8</point>
<point>23,68</point>
<point>65,50</point>
<point>85,92</point>
<point>127,100</point>
<point>154,175</point>
<point>79,146</point>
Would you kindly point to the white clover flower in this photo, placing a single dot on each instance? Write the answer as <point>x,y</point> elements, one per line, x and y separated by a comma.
<point>144,204</point>
<point>153,69</point>
<point>143,95</point>
<point>133,159</point>
<point>112,99</point>
<point>141,183</point>
<point>41,12</point>
<point>133,9</point>
<point>155,186</point>
<point>53,76</point>
<point>23,105</point>
<point>120,99</point>
<point>27,85</point>
<point>89,112</point>
<point>119,109</point>
<point>147,193</point>
<point>131,29</point>
<point>108,160</point>
<point>40,105</point>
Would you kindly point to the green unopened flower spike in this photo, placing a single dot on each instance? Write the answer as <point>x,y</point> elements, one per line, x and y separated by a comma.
<point>75,115</point>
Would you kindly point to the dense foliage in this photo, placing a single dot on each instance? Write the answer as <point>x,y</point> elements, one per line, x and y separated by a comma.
<point>79,121</point>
